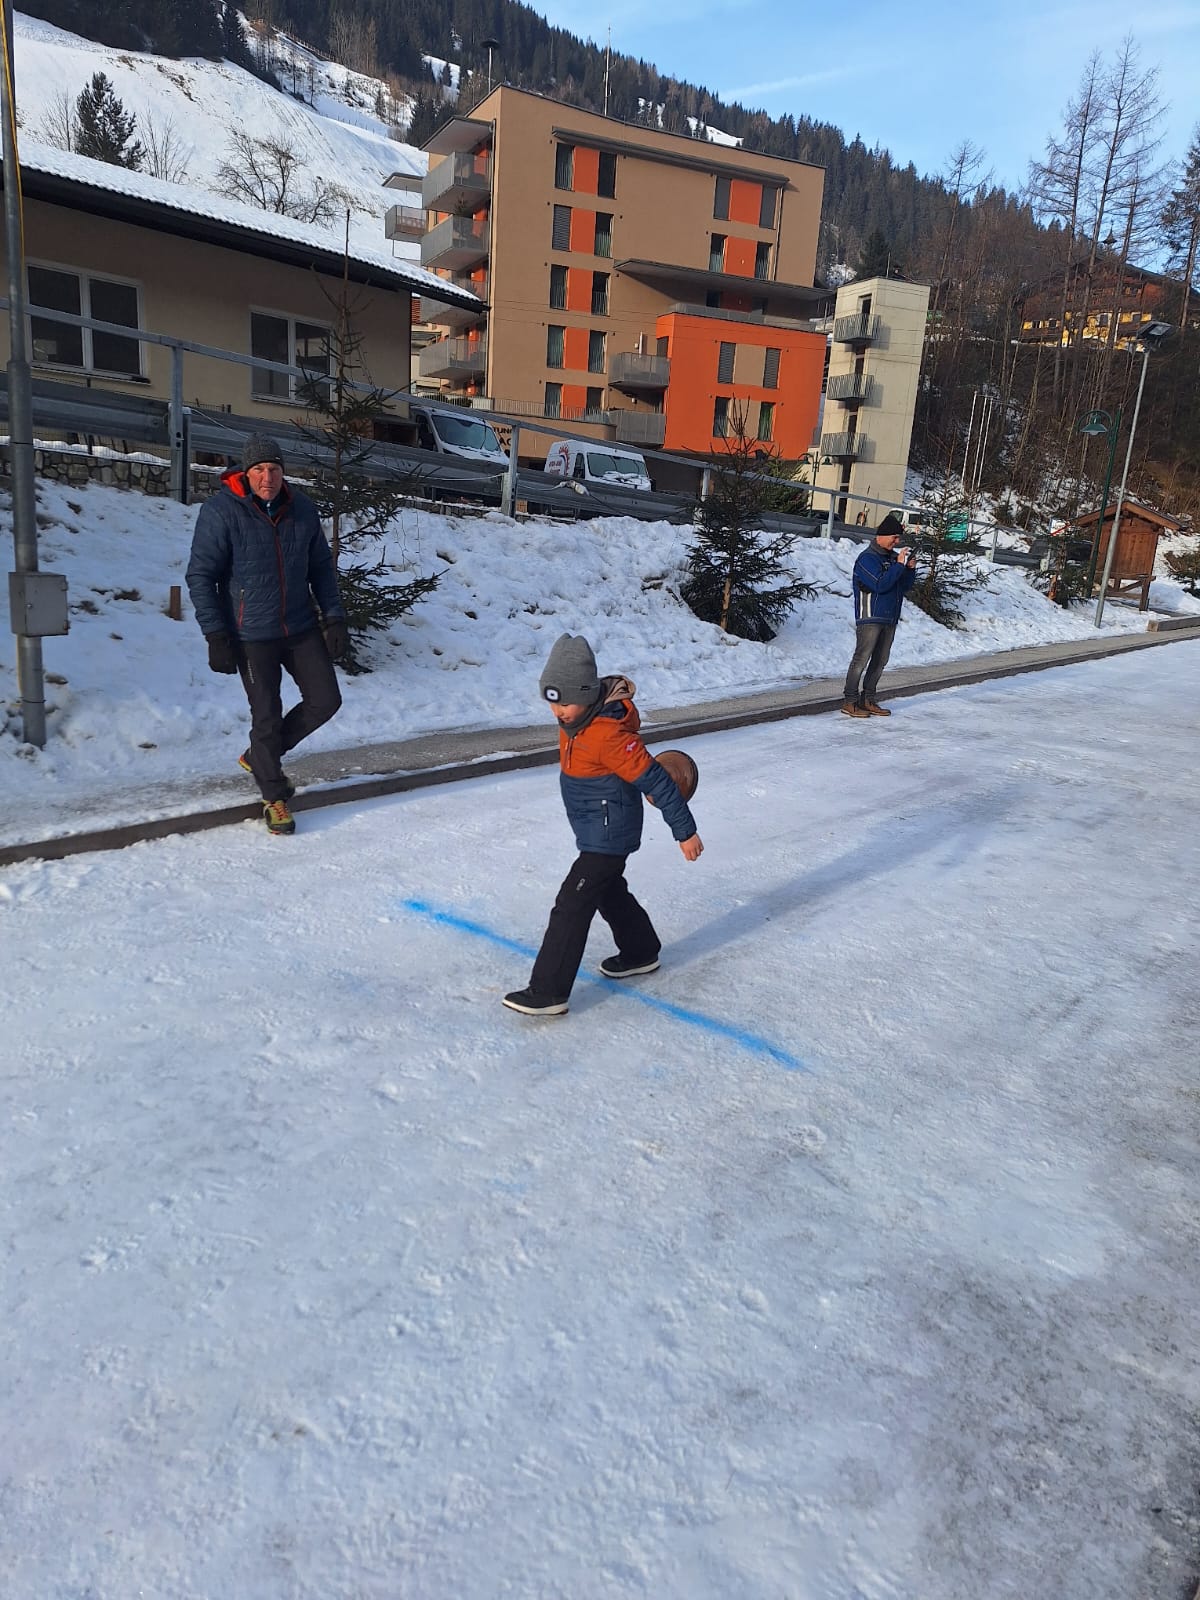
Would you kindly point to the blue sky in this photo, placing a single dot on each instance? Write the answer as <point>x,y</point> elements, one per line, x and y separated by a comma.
<point>915,79</point>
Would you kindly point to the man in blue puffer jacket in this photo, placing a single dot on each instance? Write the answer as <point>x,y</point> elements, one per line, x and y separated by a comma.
<point>259,561</point>
<point>883,575</point>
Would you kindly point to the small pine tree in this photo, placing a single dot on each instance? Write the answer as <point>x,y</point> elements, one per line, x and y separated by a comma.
<point>947,560</point>
<point>740,576</point>
<point>877,258</point>
<point>1185,565</point>
<point>358,503</point>
<point>104,129</point>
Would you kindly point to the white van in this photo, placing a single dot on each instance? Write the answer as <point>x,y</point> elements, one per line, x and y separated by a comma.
<point>454,431</point>
<point>597,463</point>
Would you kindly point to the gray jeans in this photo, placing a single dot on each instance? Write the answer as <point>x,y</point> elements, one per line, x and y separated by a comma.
<point>871,653</point>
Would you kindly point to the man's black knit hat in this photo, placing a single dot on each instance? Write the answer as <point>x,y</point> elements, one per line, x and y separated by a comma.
<point>890,525</point>
<point>260,448</point>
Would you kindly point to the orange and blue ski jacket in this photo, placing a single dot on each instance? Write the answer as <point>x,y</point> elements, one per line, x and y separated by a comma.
<point>606,769</point>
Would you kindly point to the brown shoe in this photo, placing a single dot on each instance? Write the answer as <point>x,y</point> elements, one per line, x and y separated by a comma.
<point>849,709</point>
<point>877,711</point>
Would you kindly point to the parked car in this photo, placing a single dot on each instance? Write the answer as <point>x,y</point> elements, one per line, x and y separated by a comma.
<point>455,431</point>
<point>597,463</point>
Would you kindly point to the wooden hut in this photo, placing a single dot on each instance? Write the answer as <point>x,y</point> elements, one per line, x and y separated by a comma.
<point>1137,545</point>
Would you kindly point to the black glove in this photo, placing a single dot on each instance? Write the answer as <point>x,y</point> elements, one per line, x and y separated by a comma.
<point>337,638</point>
<point>222,657</point>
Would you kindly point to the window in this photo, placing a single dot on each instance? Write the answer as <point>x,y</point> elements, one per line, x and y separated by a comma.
<point>762,260</point>
<point>662,346</point>
<point>725,363</point>
<point>716,253</point>
<point>593,402</point>
<point>596,342</point>
<point>712,299</point>
<point>603,233</point>
<point>720,416</point>
<point>59,344</point>
<point>766,208</point>
<point>564,166</point>
<point>558,288</point>
<point>560,233</point>
<point>599,294</point>
<point>295,344</point>
<point>554,346</point>
<point>553,400</point>
<point>770,369</point>
<point>721,200</point>
<point>607,176</point>
<point>766,419</point>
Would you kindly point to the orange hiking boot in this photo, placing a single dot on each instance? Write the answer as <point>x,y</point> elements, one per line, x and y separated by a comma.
<point>277,817</point>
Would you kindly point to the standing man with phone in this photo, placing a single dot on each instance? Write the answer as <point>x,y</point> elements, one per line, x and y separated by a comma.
<point>883,574</point>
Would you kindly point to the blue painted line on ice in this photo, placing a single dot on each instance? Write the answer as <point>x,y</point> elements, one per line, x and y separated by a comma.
<point>693,1019</point>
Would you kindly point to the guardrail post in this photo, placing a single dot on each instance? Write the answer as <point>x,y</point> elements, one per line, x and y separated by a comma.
<point>185,453</point>
<point>508,493</point>
<point>829,517</point>
<point>179,466</point>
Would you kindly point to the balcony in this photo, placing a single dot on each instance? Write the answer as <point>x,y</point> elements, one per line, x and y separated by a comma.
<point>448,316</point>
<point>404,222</point>
<point>639,427</point>
<point>851,388</point>
<point>844,446</point>
<point>632,372</point>
<point>862,329</point>
<point>456,185</point>
<point>460,359</point>
<point>456,243</point>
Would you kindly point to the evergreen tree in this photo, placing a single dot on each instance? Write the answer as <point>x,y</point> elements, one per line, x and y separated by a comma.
<point>740,577</point>
<point>947,562</point>
<point>105,130</point>
<point>357,500</point>
<point>877,258</point>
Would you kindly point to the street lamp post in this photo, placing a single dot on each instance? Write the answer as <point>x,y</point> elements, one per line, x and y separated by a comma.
<point>1150,338</point>
<point>1099,423</point>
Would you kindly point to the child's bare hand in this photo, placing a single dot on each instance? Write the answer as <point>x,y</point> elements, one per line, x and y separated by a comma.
<point>692,848</point>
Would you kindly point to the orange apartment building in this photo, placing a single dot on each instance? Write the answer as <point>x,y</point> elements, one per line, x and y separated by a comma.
<point>642,286</point>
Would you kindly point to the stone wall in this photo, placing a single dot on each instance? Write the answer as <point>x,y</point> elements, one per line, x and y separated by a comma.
<point>118,472</point>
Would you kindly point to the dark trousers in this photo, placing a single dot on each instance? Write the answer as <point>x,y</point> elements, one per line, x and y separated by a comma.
<point>594,883</point>
<point>871,653</point>
<point>272,735</point>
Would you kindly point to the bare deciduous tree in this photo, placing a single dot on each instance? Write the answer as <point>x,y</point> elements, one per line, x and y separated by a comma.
<point>269,174</point>
<point>59,124</point>
<point>167,156</point>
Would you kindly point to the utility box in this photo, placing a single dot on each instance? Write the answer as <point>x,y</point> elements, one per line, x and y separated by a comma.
<point>37,603</point>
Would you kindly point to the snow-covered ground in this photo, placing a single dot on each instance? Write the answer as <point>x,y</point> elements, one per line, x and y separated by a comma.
<point>852,1256</point>
<point>132,705</point>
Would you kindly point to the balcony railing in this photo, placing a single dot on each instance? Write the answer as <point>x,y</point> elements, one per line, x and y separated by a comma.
<point>844,446</point>
<point>453,358</point>
<point>629,370</point>
<point>404,222</point>
<point>851,388</point>
<point>456,184</point>
<point>449,316</point>
<point>456,243</point>
<point>639,427</point>
<point>860,329</point>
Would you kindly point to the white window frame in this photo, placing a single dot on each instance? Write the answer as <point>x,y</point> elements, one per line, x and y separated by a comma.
<point>291,318</point>
<point>85,279</point>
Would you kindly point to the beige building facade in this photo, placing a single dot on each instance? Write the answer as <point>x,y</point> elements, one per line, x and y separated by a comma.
<point>111,246</point>
<point>581,233</point>
<point>877,334</point>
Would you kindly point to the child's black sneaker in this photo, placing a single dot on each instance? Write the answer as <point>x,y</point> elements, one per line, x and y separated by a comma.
<point>534,1005</point>
<point>619,967</point>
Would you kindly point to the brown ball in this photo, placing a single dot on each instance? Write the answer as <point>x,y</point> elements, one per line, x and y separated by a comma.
<point>682,768</point>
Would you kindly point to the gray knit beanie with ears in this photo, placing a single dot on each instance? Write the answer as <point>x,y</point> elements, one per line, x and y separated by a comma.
<point>570,677</point>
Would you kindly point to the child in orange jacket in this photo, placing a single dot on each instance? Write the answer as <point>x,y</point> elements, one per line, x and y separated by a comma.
<point>606,770</point>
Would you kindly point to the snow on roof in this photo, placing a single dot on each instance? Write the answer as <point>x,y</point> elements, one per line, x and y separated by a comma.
<point>182,203</point>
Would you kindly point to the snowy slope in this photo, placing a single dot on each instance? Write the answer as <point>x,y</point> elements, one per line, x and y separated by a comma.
<point>341,140</point>
<point>131,703</point>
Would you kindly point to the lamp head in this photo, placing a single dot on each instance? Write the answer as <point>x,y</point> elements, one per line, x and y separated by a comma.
<point>1153,334</point>
<point>1096,423</point>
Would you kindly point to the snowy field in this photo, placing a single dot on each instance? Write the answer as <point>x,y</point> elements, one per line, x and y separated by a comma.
<point>852,1256</point>
<point>138,725</point>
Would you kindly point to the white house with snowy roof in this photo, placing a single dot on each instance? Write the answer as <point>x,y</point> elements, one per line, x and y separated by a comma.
<point>115,246</point>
